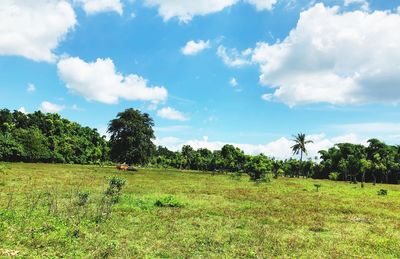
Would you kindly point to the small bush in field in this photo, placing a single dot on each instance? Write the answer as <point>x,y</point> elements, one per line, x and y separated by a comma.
<point>334,176</point>
<point>317,186</point>
<point>168,201</point>
<point>83,198</point>
<point>114,189</point>
<point>382,192</point>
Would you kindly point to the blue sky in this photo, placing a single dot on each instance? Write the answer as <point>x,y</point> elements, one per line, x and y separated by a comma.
<point>247,72</point>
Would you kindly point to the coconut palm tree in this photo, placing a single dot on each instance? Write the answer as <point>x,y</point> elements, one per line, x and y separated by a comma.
<point>300,146</point>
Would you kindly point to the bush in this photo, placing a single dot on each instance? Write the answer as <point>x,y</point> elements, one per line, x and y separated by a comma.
<point>83,198</point>
<point>382,192</point>
<point>334,176</point>
<point>317,186</point>
<point>115,188</point>
<point>168,201</point>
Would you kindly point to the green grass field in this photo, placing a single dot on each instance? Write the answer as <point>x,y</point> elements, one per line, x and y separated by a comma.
<point>173,214</point>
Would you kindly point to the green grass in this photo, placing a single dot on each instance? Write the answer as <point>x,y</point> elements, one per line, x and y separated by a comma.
<point>173,214</point>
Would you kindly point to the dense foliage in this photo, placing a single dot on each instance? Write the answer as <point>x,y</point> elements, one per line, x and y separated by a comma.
<point>132,137</point>
<point>39,137</point>
<point>376,162</point>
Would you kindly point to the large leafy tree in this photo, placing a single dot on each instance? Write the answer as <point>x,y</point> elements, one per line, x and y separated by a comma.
<point>131,137</point>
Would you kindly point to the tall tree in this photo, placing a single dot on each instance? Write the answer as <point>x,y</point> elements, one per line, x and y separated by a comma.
<point>131,137</point>
<point>300,145</point>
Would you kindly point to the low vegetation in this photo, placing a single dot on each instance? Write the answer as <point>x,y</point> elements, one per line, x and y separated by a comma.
<point>90,211</point>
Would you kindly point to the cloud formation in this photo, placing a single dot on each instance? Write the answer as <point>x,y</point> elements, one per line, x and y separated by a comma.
<point>98,6</point>
<point>185,10</point>
<point>263,4</point>
<point>171,114</point>
<point>334,57</point>
<point>193,47</point>
<point>48,107</point>
<point>34,29</point>
<point>234,58</point>
<point>99,81</point>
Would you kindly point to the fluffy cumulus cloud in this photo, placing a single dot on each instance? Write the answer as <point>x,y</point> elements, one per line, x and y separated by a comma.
<point>99,81</point>
<point>234,58</point>
<point>185,10</point>
<point>34,29</point>
<point>99,6</point>
<point>335,57</point>
<point>171,114</point>
<point>280,148</point>
<point>195,47</point>
<point>49,107</point>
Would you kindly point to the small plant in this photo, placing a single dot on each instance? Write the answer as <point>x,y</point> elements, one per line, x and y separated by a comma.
<point>382,192</point>
<point>83,198</point>
<point>317,186</point>
<point>334,176</point>
<point>168,201</point>
<point>236,176</point>
<point>114,189</point>
<point>111,196</point>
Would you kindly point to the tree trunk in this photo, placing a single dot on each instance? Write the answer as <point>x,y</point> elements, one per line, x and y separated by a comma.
<point>363,180</point>
<point>373,176</point>
<point>301,163</point>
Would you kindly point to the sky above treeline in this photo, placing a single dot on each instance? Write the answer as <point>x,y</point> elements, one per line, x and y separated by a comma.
<point>209,72</point>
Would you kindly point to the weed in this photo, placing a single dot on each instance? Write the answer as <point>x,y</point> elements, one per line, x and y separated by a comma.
<point>382,192</point>
<point>168,201</point>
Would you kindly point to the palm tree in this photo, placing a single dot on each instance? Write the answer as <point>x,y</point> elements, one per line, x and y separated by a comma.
<point>300,146</point>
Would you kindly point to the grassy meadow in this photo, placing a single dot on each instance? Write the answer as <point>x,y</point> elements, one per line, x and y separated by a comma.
<point>181,214</point>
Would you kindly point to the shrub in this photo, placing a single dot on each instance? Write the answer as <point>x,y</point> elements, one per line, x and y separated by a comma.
<point>334,176</point>
<point>83,198</point>
<point>168,201</point>
<point>382,192</point>
<point>115,188</point>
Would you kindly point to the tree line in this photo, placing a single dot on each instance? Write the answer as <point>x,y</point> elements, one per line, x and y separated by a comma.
<point>376,162</point>
<point>48,138</point>
<point>39,137</point>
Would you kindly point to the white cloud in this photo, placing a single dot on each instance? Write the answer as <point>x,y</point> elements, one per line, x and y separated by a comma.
<point>49,107</point>
<point>363,3</point>
<point>174,128</point>
<point>233,82</point>
<point>22,109</point>
<point>233,58</point>
<point>167,141</point>
<point>280,148</point>
<point>98,6</point>
<point>75,107</point>
<point>34,29</point>
<point>193,47</point>
<point>171,114</point>
<point>184,10</point>
<point>262,4</point>
<point>99,81</point>
<point>333,57</point>
<point>31,88</point>
<point>267,97</point>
